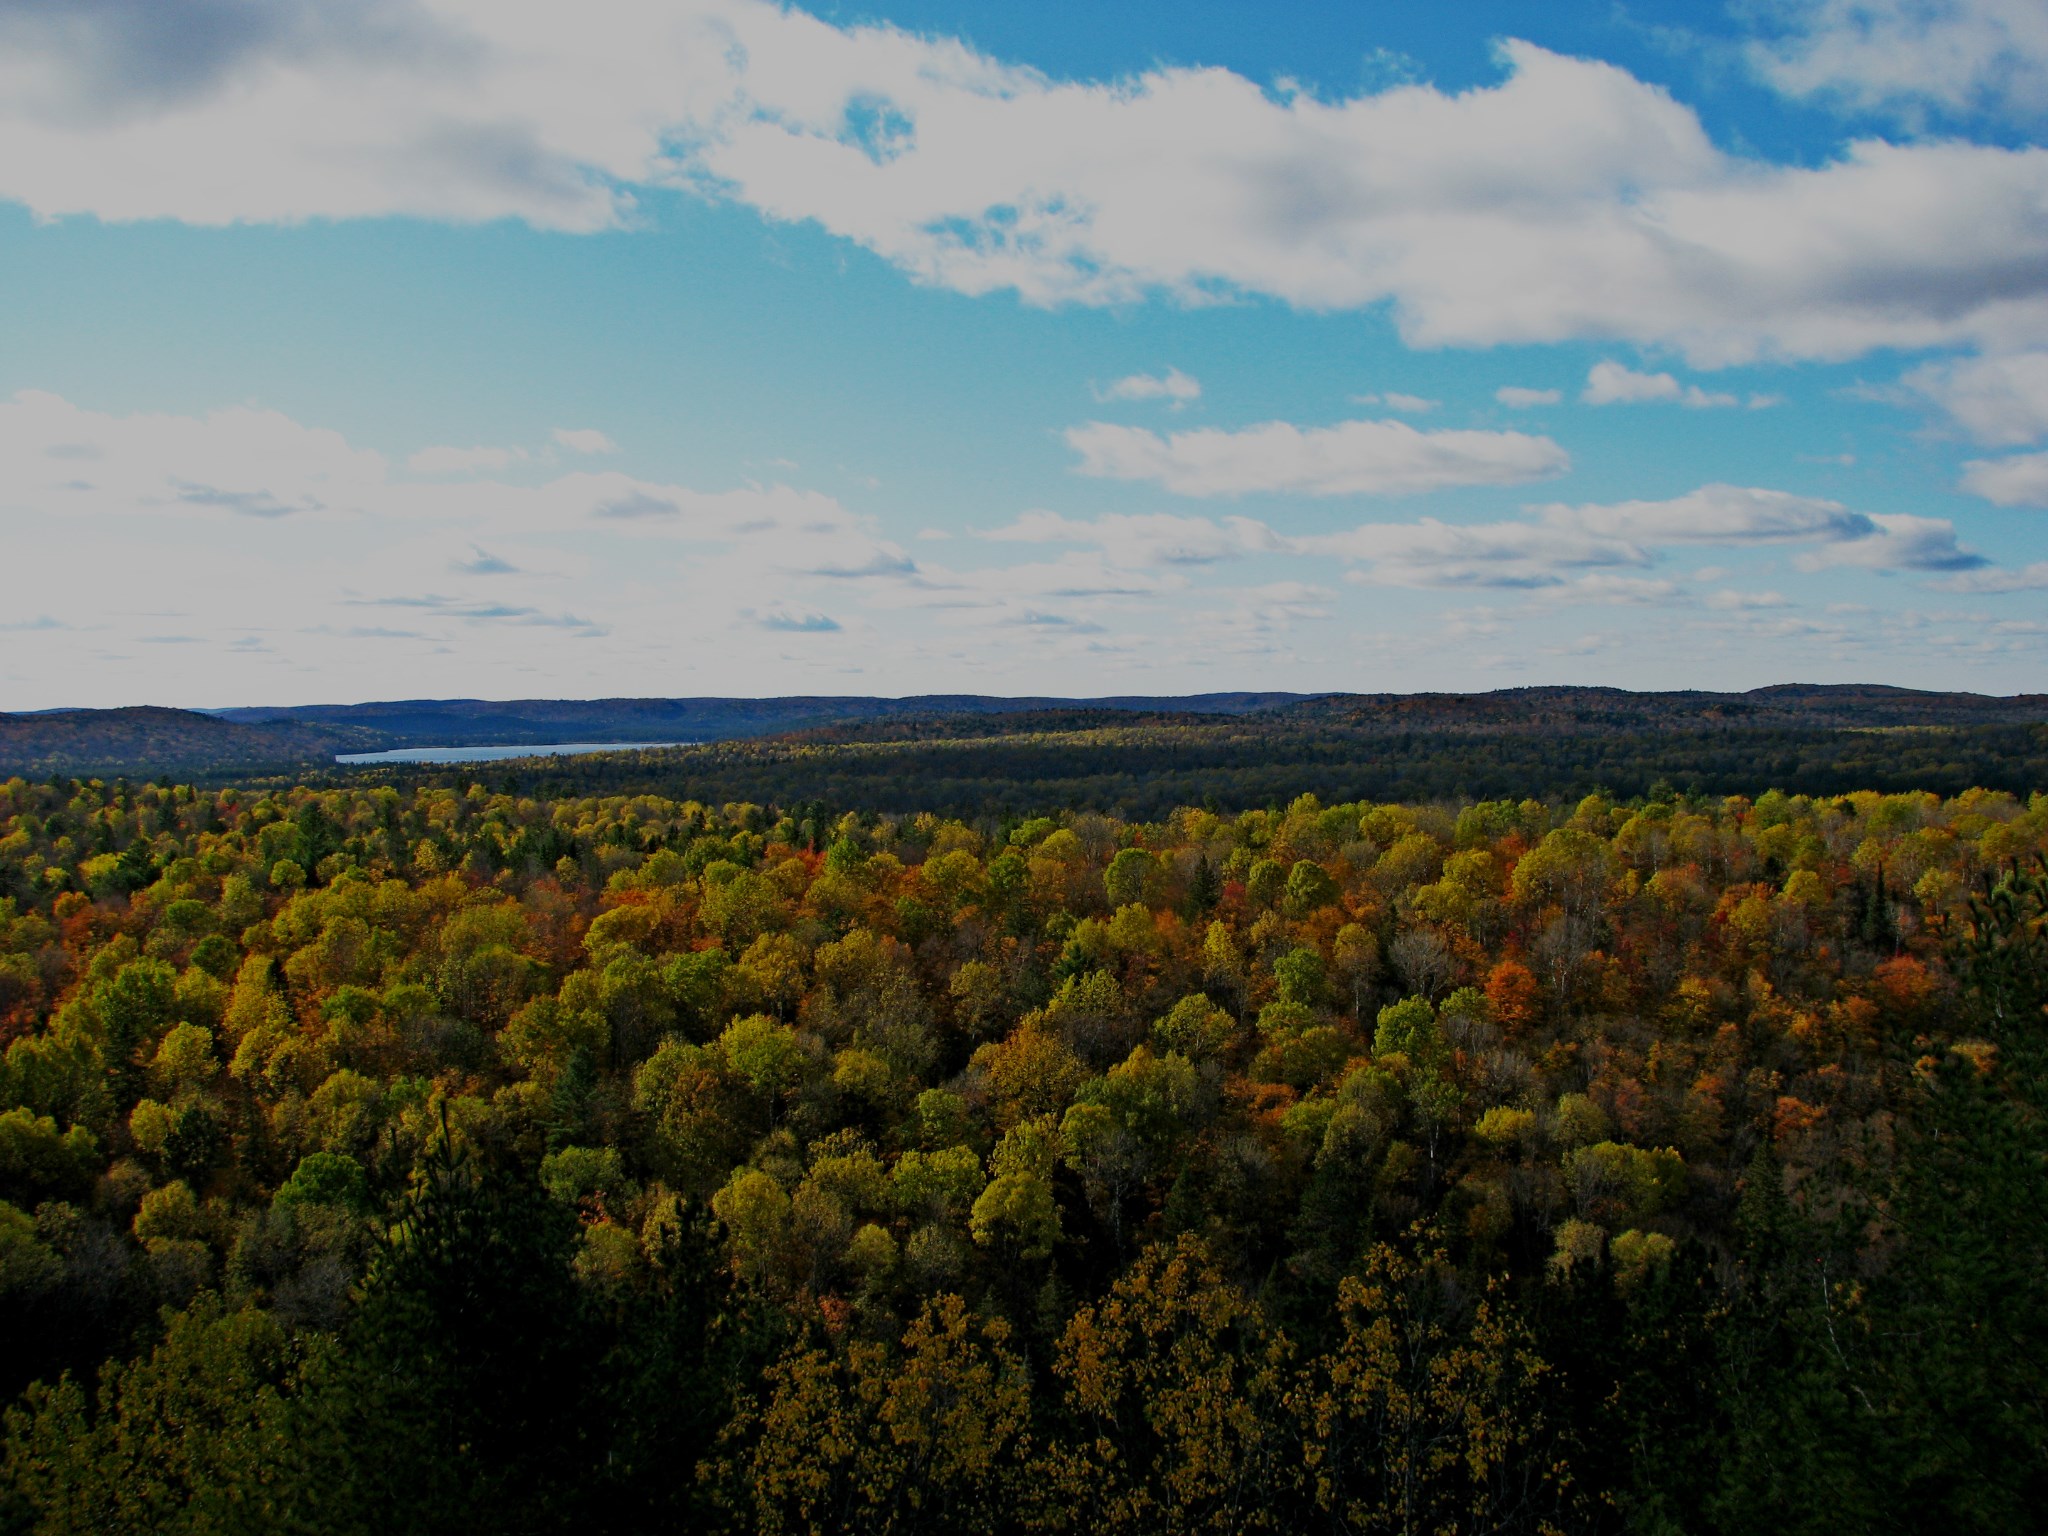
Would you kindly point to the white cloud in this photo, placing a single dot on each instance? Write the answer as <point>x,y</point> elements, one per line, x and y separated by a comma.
<point>1730,600</point>
<point>1369,458</point>
<point>1172,385</point>
<point>1898,54</point>
<point>288,547</point>
<point>1612,383</point>
<point>1567,550</point>
<point>2029,578</point>
<point>1147,539</point>
<point>797,621</point>
<point>2019,480</point>
<point>587,440</point>
<point>292,536</point>
<point>1415,405</point>
<point>1719,514</point>
<point>1516,397</point>
<point>1900,543</point>
<point>1429,553</point>
<point>462,461</point>
<point>1605,587</point>
<point>240,461</point>
<point>1570,200</point>
<point>443,460</point>
<point>482,562</point>
<point>2000,400</point>
<point>484,611</point>
<point>1569,554</point>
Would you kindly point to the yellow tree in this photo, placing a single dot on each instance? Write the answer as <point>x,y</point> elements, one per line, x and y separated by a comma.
<point>1423,1417</point>
<point>927,1437</point>
<point>1173,1389</point>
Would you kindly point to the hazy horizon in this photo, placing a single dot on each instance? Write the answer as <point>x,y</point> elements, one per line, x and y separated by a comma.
<point>1073,698</point>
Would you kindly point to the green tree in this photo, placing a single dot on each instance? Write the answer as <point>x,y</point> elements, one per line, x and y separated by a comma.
<point>460,1397</point>
<point>195,1437</point>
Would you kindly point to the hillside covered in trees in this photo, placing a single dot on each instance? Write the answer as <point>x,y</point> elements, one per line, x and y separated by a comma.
<point>425,1156</point>
<point>149,740</point>
<point>1145,765</point>
<point>968,754</point>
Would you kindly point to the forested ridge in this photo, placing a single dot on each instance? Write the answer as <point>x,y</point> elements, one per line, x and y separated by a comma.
<point>431,1155</point>
<point>1229,749</point>
<point>1145,766</point>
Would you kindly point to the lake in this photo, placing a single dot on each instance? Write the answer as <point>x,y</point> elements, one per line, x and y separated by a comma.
<point>497,754</point>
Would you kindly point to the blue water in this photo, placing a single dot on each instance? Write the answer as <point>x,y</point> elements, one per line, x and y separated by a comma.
<point>496,754</point>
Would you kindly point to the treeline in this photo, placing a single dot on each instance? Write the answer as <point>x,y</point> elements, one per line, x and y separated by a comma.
<point>429,1158</point>
<point>1003,767</point>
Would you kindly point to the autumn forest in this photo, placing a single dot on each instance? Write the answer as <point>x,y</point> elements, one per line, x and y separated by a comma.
<point>428,1156</point>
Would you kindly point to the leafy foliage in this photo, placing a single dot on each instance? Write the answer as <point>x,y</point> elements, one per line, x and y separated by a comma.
<point>430,1158</point>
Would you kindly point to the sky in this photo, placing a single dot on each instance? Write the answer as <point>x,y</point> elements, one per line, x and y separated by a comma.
<point>369,349</point>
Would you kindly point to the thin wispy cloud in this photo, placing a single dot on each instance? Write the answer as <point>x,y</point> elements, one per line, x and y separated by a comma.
<point>1354,458</point>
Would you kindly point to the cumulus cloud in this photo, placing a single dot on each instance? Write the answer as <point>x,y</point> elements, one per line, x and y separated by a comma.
<point>1612,383</point>
<point>1393,400</point>
<point>1569,200</point>
<point>124,58</point>
<point>1719,514</point>
<point>2001,400</point>
<point>584,440</point>
<point>1904,54</point>
<point>2018,480</point>
<point>1353,458</point>
<point>1172,385</point>
<point>1899,542</point>
<point>1518,398</point>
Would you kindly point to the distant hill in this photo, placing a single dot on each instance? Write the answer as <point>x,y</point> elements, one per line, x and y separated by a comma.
<point>1256,727</point>
<point>1794,706</point>
<point>536,722</point>
<point>1555,711</point>
<point>1554,745</point>
<point>146,740</point>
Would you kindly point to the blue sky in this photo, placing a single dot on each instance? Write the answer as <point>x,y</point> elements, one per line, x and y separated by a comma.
<point>496,348</point>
